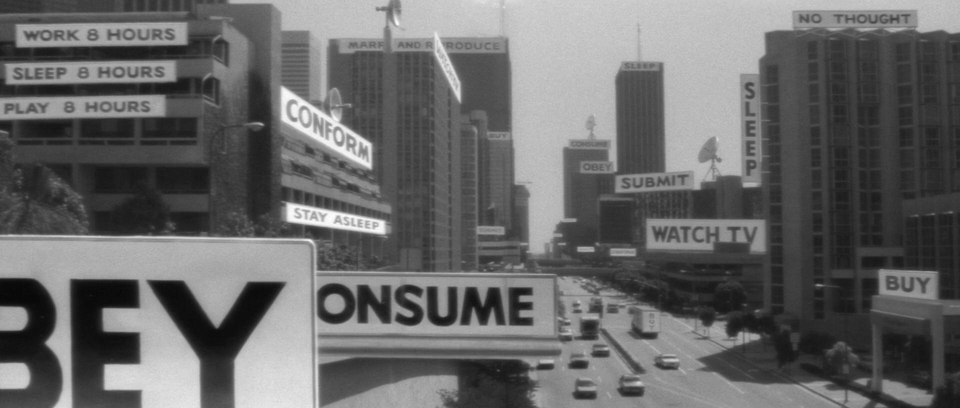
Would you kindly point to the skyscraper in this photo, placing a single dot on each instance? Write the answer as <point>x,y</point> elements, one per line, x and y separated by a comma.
<point>581,194</point>
<point>640,118</point>
<point>300,64</point>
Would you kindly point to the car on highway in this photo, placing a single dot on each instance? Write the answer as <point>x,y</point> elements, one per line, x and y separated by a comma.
<point>578,359</point>
<point>577,309</point>
<point>667,361</point>
<point>585,388</point>
<point>563,321</point>
<point>546,364</point>
<point>576,303</point>
<point>601,350</point>
<point>566,334</point>
<point>631,384</point>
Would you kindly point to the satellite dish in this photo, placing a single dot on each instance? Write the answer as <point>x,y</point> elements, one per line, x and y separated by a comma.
<point>393,12</point>
<point>334,104</point>
<point>709,151</point>
<point>591,123</point>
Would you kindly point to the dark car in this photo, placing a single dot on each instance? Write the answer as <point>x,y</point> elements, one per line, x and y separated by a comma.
<point>579,360</point>
<point>601,350</point>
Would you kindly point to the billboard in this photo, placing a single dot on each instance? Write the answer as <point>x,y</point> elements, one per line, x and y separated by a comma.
<point>597,167</point>
<point>911,284</point>
<point>446,66</point>
<point>589,144</point>
<point>855,19</point>
<point>435,305</point>
<point>639,66</point>
<point>624,252</point>
<point>490,230</point>
<point>315,125</point>
<point>83,107</point>
<point>701,234</point>
<point>498,135</point>
<point>138,34</point>
<point>478,45</point>
<point>319,217</point>
<point>644,183</point>
<point>157,322</point>
<point>90,72</point>
<point>750,126</point>
<point>586,249</point>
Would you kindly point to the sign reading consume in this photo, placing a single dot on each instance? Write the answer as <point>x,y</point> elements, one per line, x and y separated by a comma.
<point>855,19</point>
<point>750,126</point>
<point>596,167</point>
<point>435,305</point>
<point>911,284</point>
<point>89,72</point>
<point>643,183</point>
<point>700,235</point>
<point>589,144</point>
<point>446,66</point>
<point>83,107</point>
<point>137,34</point>
<point>157,322</point>
<point>490,230</point>
<point>312,123</point>
<point>319,217</point>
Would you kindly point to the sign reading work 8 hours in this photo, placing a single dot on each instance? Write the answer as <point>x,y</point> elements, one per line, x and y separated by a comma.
<point>110,322</point>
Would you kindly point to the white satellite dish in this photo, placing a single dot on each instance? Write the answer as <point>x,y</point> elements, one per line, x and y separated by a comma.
<point>591,123</point>
<point>334,104</point>
<point>709,153</point>
<point>393,12</point>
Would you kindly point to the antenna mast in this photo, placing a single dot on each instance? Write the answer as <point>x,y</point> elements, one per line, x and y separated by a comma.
<point>503,18</point>
<point>639,58</point>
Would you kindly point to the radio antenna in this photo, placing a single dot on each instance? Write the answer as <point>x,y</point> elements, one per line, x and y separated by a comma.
<point>639,58</point>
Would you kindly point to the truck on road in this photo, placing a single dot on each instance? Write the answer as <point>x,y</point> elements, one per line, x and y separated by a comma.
<point>590,327</point>
<point>646,322</point>
<point>596,305</point>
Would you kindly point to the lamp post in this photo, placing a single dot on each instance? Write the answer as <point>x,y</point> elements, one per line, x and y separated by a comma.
<point>846,346</point>
<point>253,126</point>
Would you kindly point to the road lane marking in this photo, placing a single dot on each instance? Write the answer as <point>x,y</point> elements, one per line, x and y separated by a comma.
<point>728,382</point>
<point>608,395</point>
<point>681,370</point>
<point>688,395</point>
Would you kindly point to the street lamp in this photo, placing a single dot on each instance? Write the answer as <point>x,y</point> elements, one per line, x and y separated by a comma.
<point>846,346</point>
<point>253,126</point>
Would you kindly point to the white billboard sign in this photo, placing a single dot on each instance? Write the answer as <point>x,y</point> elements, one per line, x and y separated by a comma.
<point>498,136</point>
<point>139,34</point>
<point>589,144</point>
<point>479,45</point>
<point>855,19</point>
<point>90,72</point>
<point>639,66</point>
<point>597,167</point>
<point>701,234</point>
<point>314,124</point>
<point>911,284</point>
<point>568,220</point>
<point>446,66</point>
<point>586,249</point>
<point>157,322</point>
<point>319,217</point>
<point>83,107</point>
<point>750,126</point>
<point>490,230</point>
<point>435,305</point>
<point>645,183</point>
<point>628,252</point>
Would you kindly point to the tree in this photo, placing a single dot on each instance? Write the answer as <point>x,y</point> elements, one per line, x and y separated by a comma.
<point>838,356</point>
<point>784,348</point>
<point>734,324</point>
<point>948,395</point>
<point>750,322</point>
<point>767,325</point>
<point>729,296</point>
<point>494,384</point>
<point>145,213</point>
<point>707,317</point>
<point>35,201</point>
<point>237,224</point>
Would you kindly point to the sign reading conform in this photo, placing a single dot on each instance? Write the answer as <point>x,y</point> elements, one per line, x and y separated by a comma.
<point>701,234</point>
<point>316,125</point>
<point>90,72</point>
<point>101,35</point>
<point>855,19</point>
<point>911,284</point>
<point>157,322</point>
<point>491,230</point>
<point>319,217</point>
<point>435,305</point>
<point>70,107</point>
<point>643,183</point>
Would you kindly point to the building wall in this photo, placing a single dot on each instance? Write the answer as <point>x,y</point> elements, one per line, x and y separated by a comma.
<point>300,66</point>
<point>640,122</point>
<point>468,180</point>
<point>581,193</point>
<point>931,236</point>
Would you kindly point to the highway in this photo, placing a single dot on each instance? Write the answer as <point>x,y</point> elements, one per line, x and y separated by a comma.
<point>710,376</point>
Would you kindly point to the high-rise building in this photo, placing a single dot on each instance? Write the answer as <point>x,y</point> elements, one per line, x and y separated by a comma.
<point>496,180</point>
<point>468,185</point>
<point>581,195</point>
<point>855,123</point>
<point>38,6</point>
<point>300,54</point>
<point>521,212</point>
<point>641,138</point>
<point>403,102</point>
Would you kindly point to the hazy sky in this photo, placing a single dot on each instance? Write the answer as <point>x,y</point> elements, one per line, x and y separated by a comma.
<point>566,53</point>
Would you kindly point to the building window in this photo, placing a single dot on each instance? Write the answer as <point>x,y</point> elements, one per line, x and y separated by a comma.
<point>904,73</point>
<point>906,137</point>
<point>183,180</point>
<point>45,129</point>
<point>903,52</point>
<point>839,114</point>
<point>838,92</point>
<point>772,74</point>
<point>869,93</point>
<point>813,71</point>
<point>904,94</point>
<point>107,129</point>
<point>837,71</point>
<point>815,135</point>
<point>812,48</point>
<point>928,50</point>
<point>868,49</point>
<point>118,180</point>
<point>814,91</point>
<point>837,49</point>
<point>814,114</point>
<point>905,115</point>
<point>211,90</point>
<point>170,128</point>
<point>928,72</point>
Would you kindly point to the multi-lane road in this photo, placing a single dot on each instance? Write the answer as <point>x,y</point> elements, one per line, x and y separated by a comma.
<point>709,376</point>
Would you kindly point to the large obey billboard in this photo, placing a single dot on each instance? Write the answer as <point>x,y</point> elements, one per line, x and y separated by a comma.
<point>701,234</point>
<point>140,322</point>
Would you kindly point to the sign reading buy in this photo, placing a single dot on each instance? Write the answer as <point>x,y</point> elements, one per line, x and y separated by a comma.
<point>319,217</point>
<point>157,322</point>
<point>317,126</point>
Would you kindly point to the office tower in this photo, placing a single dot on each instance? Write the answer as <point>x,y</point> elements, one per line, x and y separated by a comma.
<point>468,185</point>
<point>581,194</point>
<point>496,180</point>
<point>404,104</point>
<point>300,64</point>
<point>521,212</point>
<point>640,118</point>
<point>858,124</point>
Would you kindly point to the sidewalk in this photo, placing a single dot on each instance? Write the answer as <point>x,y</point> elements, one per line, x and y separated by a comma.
<point>896,392</point>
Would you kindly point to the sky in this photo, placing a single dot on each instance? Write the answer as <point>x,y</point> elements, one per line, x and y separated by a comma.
<point>565,55</point>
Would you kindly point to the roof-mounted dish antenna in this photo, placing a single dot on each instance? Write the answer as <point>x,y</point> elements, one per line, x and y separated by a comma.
<point>591,123</point>
<point>709,153</point>
<point>334,105</point>
<point>393,12</point>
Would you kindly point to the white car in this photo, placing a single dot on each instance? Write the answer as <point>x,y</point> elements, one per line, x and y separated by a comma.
<point>585,387</point>
<point>566,334</point>
<point>631,384</point>
<point>667,361</point>
<point>546,364</point>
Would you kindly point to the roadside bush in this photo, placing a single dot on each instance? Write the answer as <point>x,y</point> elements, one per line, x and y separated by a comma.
<point>815,342</point>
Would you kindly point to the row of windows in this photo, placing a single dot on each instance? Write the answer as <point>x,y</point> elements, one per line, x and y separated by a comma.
<point>196,48</point>
<point>167,180</point>
<point>209,88</point>
<point>30,132</point>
